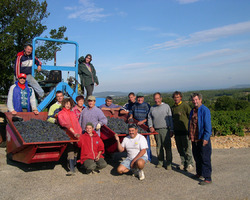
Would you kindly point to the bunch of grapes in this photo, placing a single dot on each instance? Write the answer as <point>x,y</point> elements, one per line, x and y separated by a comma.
<point>40,131</point>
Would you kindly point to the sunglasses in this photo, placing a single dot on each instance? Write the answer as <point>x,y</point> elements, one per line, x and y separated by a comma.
<point>22,78</point>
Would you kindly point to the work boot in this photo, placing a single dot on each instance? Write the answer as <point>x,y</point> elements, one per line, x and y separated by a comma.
<point>181,167</point>
<point>71,167</point>
<point>190,168</point>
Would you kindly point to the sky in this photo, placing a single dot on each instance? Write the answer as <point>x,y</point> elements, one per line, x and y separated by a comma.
<point>158,45</point>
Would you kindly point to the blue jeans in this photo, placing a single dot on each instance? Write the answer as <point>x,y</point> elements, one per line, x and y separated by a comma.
<point>34,84</point>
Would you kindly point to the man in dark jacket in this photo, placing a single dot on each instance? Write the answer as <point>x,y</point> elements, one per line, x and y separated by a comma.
<point>87,74</point>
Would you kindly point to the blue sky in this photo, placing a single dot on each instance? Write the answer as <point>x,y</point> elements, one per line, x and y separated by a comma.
<point>160,45</point>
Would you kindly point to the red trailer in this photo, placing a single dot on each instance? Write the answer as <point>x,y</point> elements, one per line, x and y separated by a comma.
<point>19,150</point>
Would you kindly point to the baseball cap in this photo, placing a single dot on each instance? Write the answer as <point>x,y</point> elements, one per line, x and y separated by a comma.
<point>140,94</point>
<point>22,75</point>
<point>91,98</point>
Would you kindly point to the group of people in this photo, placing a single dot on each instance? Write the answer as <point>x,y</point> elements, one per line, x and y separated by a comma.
<point>190,127</point>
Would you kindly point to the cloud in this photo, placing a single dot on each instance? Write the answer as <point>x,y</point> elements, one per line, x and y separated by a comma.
<point>87,11</point>
<point>187,1</point>
<point>133,66</point>
<point>215,53</point>
<point>205,36</point>
<point>146,28</point>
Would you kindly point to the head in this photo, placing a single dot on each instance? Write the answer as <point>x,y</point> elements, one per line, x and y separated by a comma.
<point>89,128</point>
<point>22,78</point>
<point>177,96</point>
<point>88,58</point>
<point>132,130</point>
<point>28,49</point>
<point>59,96</point>
<point>80,101</point>
<point>91,101</point>
<point>157,98</point>
<point>109,100</point>
<point>140,98</point>
<point>68,103</point>
<point>132,97</point>
<point>196,99</point>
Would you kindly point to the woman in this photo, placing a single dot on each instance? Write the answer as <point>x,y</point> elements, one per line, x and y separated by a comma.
<point>68,119</point>
<point>79,106</point>
<point>87,74</point>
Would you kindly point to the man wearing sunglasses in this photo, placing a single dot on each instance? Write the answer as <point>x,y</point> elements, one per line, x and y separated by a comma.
<point>21,98</point>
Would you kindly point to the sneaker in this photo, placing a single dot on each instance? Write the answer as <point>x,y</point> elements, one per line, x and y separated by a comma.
<point>141,175</point>
<point>196,177</point>
<point>70,173</point>
<point>181,167</point>
<point>190,168</point>
<point>205,182</point>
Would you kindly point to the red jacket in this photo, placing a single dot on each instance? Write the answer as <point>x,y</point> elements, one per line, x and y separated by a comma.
<point>68,119</point>
<point>90,146</point>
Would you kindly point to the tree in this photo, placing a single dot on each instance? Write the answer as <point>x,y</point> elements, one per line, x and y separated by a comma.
<point>20,22</point>
<point>224,103</point>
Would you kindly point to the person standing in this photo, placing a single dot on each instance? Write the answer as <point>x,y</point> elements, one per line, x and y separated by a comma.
<point>24,65</point>
<point>160,121</point>
<point>200,130</point>
<point>87,74</point>
<point>181,112</point>
<point>21,98</point>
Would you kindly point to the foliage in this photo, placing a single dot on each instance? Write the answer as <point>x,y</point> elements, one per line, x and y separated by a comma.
<point>224,103</point>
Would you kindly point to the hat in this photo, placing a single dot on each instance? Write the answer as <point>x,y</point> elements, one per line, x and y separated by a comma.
<point>90,124</point>
<point>22,75</point>
<point>91,98</point>
<point>139,94</point>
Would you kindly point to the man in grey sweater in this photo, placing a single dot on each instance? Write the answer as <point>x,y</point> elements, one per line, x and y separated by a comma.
<point>160,121</point>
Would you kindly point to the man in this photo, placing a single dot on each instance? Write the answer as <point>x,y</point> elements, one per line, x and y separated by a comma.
<point>109,105</point>
<point>180,112</point>
<point>21,98</point>
<point>200,130</point>
<point>128,106</point>
<point>160,121</point>
<point>136,145</point>
<point>94,115</point>
<point>24,65</point>
<point>56,107</point>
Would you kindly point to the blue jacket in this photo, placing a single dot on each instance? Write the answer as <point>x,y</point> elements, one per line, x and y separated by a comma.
<point>204,122</point>
<point>17,97</point>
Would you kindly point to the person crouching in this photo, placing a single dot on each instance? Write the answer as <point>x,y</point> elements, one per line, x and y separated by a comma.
<point>92,149</point>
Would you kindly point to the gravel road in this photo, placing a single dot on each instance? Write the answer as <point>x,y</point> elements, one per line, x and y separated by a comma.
<point>231,180</point>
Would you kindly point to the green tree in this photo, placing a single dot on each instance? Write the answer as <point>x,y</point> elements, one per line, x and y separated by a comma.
<point>224,103</point>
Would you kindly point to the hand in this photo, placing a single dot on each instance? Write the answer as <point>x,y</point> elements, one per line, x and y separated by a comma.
<point>132,164</point>
<point>97,158</point>
<point>96,84</point>
<point>205,142</point>
<point>152,129</point>
<point>98,126</point>
<point>117,137</point>
<point>72,130</point>
<point>39,68</point>
<point>35,112</point>
<point>140,123</point>
<point>171,133</point>
<point>13,112</point>
<point>77,135</point>
<point>112,111</point>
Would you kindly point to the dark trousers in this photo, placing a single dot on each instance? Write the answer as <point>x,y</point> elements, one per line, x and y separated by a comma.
<point>202,157</point>
<point>91,165</point>
<point>89,89</point>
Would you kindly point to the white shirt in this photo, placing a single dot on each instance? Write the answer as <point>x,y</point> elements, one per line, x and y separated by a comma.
<point>134,145</point>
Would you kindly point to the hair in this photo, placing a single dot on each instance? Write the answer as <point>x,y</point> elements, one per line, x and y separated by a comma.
<point>90,124</point>
<point>58,92</point>
<point>78,98</point>
<point>87,56</point>
<point>66,100</point>
<point>156,94</point>
<point>177,93</point>
<point>196,95</point>
<point>131,93</point>
<point>132,126</point>
<point>109,98</point>
<point>28,45</point>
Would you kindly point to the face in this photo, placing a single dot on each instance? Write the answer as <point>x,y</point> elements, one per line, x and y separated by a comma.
<point>91,104</point>
<point>80,103</point>
<point>196,101</point>
<point>157,99</point>
<point>140,100</point>
<point>28,50</point>
<point>132,132</point>
<point>21,80</point>
<point>59,97</point>
<point>132,98</point>
<point>109,102</point>
<point>89,129</point>
<point>88,59</point>
<point>177,99</point>
<point>67,105</point>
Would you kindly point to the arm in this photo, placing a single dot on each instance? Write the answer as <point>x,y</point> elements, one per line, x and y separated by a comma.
<point>94,75</point>
<point>102,119</point>
<point>33,101</point>
<point>10,101</point>
<point>51,117</point>
<point>64,122</point>
<point>207,126</point>
<point>119,146</point>
<point>18,65</point>
<point>169,119</point>
<point>150,121</point>
<point>39,64</point>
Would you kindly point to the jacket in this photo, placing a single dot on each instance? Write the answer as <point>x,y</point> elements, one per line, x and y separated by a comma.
<point>90,146</point>
<point>204,122</point>
<point>87,77</point>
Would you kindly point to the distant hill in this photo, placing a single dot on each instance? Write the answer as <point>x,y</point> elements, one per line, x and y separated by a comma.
<point>242,86</point>
<point>110,93</point>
